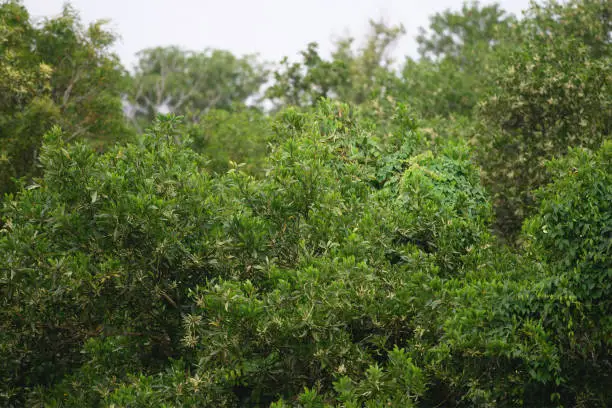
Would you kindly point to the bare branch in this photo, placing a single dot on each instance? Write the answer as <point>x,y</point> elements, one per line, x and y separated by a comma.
<point>75,78</point>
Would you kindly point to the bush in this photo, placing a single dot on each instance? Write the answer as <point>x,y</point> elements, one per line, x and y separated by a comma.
<point>573,233</point>
<point>115,264</point>
<point>359,271</point>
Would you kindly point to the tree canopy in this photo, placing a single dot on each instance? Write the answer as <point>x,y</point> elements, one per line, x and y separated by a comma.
<point>347,232</point>
<point>171,80</point>
<point>57,72</point>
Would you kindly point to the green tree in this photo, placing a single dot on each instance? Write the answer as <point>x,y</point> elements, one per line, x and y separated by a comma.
<point>353,76</point>
<point>548,93</point>
<point>110,272</point>
<point>572,232</point>
<point>349,262</point>
<point>171,80</point>
<point>456,35</point>
<point>26,108</point>
<point>456,49</point>
<point>88,80</point>
<point>57,72</point>
<point>533,327</point>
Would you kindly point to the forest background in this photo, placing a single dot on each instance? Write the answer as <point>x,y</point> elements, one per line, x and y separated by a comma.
<point>357,232</point>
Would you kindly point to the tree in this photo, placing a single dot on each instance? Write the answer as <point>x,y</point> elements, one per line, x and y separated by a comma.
<point>548,93</point>
<point>354,76</point>
<point>171,80</point>
<point>57,72</point>
<point>572,231</point>
<point>451,75</point>
<point>88,80</point>
<point>455,35</point>
<point>349,262</point>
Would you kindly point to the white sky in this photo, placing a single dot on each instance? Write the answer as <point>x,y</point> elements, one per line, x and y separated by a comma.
<point>272,28</point>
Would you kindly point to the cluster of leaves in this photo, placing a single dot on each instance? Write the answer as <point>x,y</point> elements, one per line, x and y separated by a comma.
<point>241,137</point>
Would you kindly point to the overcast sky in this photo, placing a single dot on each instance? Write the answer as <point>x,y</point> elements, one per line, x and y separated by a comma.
<point>272,28</point>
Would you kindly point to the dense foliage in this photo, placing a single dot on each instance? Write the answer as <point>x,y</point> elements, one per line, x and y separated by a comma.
<point>56,72</point>
<point>551,91</point>
<point>437,235</point>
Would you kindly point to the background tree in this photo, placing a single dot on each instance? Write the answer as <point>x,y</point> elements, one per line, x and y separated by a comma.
<point>171,80</point>
<point>229,138</point>
<point>88,79</point>
<point>350,75</point>
<point>26,108</point>
<point>457,34</point>
<point>455,51</point>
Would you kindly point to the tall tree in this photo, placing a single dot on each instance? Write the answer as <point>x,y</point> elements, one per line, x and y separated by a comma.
<point>450,77</point>
<point>88,79</point>
<point>549,92</point>
<point>457,34</point>
<point>169,79</point>
<point>351,75</point>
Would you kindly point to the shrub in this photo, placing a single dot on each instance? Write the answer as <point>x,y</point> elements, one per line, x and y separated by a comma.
<point>115,264</point>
